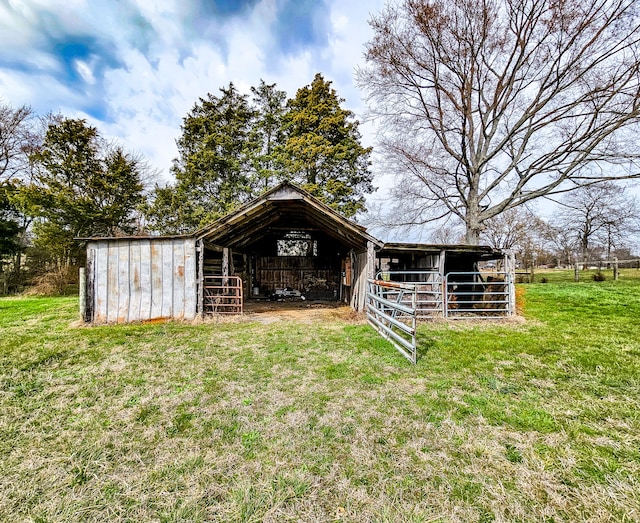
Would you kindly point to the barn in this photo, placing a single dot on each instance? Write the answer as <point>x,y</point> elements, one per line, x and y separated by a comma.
<point>284,245</point>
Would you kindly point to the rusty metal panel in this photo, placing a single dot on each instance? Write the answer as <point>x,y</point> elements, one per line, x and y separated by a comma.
<point>100,282</point>
<point>177,281</point>
<point>145,280</point>
<point>124,278</point>
<point>167,279</point>
<point>113,258</point>
<point>190,280</point>
<point>135,288</point>
<point>155,261</point>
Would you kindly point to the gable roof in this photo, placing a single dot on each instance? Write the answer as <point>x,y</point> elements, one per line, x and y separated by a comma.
<point>286,204</point>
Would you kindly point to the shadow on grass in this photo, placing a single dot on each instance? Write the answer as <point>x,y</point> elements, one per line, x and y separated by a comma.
<point>424,344</point>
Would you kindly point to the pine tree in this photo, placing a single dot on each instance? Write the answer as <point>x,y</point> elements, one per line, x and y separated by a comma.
<point>323,151</point>
<point>81,186</point>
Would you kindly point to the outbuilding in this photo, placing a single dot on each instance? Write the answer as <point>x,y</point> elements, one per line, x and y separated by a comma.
<point>285,244</point>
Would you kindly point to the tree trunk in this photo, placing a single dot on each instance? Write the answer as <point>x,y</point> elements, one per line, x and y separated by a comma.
<point>473,224</point>
<point>472,236</point>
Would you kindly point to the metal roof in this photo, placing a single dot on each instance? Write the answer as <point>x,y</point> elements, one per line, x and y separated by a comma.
<point>484,250</point>
<point>284,206</point>
<point>287,206</point>
<point>140,237</point>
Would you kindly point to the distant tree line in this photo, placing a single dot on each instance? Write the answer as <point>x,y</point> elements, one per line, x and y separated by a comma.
<point>60,179</point>
<point>595,224</point>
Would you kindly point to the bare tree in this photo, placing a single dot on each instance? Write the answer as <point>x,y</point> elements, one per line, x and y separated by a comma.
<point>17,140</point>
<point>485,105</point>
<point>561,241</point>
<point>510,228</point>
<point>602,214</point>
<point>447,234</point>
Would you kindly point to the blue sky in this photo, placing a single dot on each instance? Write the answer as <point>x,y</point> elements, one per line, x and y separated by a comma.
<point>134,68</point>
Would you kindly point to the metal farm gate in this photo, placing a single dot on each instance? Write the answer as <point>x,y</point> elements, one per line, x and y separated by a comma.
<point>388,312</point>
<point>478,295</point>
<point>428,285</point>
<point>222,295</point>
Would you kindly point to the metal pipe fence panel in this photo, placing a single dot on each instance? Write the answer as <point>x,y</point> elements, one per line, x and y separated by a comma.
<point>391,310</point>
<point>222,295</point>
<point>477,295</point>
<point>429,302</point>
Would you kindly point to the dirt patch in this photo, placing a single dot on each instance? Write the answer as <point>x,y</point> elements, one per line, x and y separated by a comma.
<point>300,311</point>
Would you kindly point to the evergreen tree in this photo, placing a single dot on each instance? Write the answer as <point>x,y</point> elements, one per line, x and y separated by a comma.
<point>269,106</point>
<point>233,148</point>
<point>323,151</point>
<point>213,168</point>
<point>81,186</point>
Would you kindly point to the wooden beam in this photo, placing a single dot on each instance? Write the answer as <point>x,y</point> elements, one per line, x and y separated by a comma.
<point>226,254</point>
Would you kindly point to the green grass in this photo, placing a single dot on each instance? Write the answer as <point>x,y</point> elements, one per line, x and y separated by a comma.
<point>533,420</point>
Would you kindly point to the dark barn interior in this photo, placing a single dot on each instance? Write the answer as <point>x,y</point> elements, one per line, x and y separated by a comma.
<point>285,241</point>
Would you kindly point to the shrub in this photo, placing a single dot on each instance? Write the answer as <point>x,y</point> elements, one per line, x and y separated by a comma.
<point>520,299</point>
<point>53,282</point>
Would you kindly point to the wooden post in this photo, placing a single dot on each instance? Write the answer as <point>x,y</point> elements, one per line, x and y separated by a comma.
<point>225,265</point>
<point>615,268</point>
<point>576,272</point>
<point>200,251</point>
<point>83,293</point>
<point>510,269</point>
<point>371,260</point>
<point>532,277</point>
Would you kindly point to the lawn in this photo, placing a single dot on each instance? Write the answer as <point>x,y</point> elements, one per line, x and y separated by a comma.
<point>532,420</point>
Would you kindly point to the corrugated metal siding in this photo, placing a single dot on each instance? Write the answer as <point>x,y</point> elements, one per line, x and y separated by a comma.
<point>142,279</point>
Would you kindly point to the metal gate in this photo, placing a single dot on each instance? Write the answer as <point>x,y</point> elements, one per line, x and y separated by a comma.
<point>428,284</point>
<point>222,295</point>
<point>478,295</point>
<point>391,310</point>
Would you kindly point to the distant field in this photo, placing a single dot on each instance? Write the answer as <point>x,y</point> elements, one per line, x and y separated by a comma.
<point>531,420</point>
<point>568,275</point>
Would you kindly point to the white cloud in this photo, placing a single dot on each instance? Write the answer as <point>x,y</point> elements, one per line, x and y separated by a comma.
<point>166,63</point>
<point>85,71</point>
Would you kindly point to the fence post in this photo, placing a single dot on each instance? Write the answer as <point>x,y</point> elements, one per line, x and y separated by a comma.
<point>83,293</point>
<point>615,268</point>
<point>445,296</point>
<point>200,251</point>
<point>576,272</point>
<point>226,255</point>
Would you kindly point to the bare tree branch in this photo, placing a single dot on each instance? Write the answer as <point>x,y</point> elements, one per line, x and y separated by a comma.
<point>487,105</point>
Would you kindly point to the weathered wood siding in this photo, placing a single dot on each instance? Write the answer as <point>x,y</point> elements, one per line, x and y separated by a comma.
<point>297,272</point>
<point>133,280</point>
<point>361,270</point>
